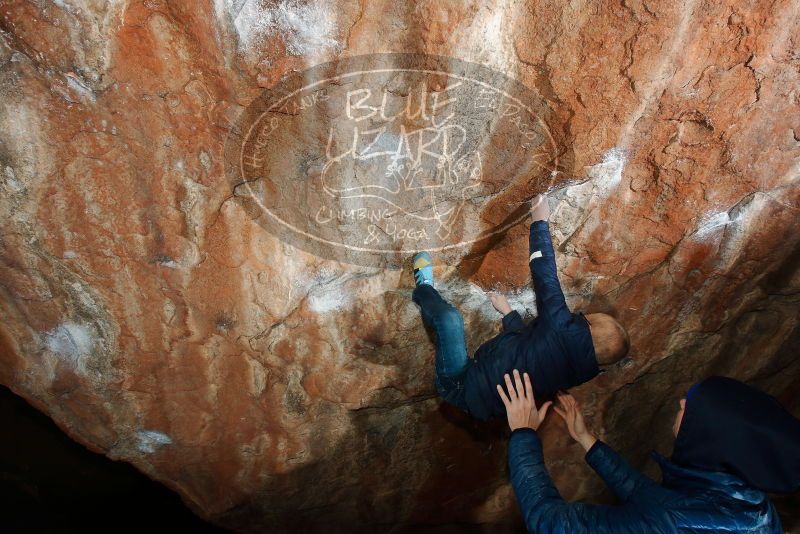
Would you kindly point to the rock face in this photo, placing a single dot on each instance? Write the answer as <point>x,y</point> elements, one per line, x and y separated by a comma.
<point>152,315</point>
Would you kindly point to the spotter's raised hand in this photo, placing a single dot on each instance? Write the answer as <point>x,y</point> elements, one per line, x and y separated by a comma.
<point>520,403</point>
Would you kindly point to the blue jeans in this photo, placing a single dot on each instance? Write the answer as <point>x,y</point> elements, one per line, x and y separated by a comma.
<point>451,349</point>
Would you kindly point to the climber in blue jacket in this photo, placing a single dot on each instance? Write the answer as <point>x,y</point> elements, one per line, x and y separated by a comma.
<point>560,349</point>
<point>733,444</point>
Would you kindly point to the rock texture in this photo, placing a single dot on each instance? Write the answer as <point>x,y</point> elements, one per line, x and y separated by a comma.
<point>154,320</point>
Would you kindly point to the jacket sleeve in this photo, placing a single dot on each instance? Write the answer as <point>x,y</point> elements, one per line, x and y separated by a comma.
<point>618,475</point>
<point>545,512</point>
<point>550,302</point>
<point>513,321</point>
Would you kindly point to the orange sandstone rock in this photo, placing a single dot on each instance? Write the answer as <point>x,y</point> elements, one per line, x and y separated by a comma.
<point>148,311</point>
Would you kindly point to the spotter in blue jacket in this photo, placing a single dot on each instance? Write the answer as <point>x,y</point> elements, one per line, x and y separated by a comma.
<point>734,443</point>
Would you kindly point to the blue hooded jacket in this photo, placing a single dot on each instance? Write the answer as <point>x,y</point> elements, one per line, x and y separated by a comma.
<point>688,501</point>
<point>555,349</point>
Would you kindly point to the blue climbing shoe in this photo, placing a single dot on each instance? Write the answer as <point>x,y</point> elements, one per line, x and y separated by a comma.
<point>423,269</point>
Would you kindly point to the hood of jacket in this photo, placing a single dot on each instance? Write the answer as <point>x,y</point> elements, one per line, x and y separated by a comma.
<point>733,428</point>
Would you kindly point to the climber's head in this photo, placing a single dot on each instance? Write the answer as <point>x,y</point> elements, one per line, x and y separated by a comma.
<point>610,339</point>
<point>726,425</point>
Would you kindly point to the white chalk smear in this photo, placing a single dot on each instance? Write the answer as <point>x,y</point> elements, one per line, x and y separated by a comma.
<point>11,179</point>
<point>326,290</point>
<point>150,440</point>
<point>326,299</point>
<point>72,343</point>
<point>305,27</point>
<point>487,39</point>
<point>63,5</point>
<point>477,300</point>
<point>79,87</point>
<point>205,160</point>
<point>168,263</point>
<point>606,175</point>
<point>578,208</point>
<point>709,224</point>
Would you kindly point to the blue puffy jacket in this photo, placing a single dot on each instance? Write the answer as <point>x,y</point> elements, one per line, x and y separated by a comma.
<point>688,500</point>
<point>555,349</point>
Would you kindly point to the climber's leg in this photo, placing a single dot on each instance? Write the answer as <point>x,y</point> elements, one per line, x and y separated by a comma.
<point>451,349</point>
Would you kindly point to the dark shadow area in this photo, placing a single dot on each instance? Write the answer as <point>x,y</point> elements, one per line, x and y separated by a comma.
<point>49,483</point>
<point>386,486</point>
<point>406,463</point>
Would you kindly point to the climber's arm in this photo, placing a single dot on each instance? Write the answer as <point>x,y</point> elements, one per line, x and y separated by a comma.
<point>550,301</point>
<point>512,321</point>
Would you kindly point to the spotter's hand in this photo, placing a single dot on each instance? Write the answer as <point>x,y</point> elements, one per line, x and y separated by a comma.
<point>520,404</point>
<point>570,412</point>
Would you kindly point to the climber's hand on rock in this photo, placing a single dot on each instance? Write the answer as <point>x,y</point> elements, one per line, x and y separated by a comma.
<point>500,303</point>
<point>570,412</point>
<point>520,404</point>
<point>540,209</point>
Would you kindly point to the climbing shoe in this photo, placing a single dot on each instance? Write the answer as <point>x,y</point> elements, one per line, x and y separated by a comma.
<point>423,269</point>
